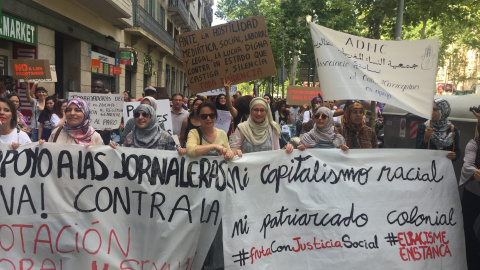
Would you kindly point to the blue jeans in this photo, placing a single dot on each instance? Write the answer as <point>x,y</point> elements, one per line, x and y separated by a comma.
<point>35,135</point>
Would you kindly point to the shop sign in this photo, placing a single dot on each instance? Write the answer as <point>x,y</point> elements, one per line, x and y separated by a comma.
<point>18,30</point>
<point>117,70</point>
<point>125,56</point>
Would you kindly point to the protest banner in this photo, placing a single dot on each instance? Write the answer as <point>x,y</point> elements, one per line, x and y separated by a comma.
<point>163,113</point>
<point>72,207</point>
<point>299,95</point>
<point>105,110</point>
<point>33,68</point>
<point>400,73</point>
<point>216,92</point>
<point>355,209</point>
<point>237,51</point>
<point>223,120</point>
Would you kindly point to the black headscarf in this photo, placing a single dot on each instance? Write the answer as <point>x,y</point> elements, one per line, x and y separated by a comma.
<point>220,106</point>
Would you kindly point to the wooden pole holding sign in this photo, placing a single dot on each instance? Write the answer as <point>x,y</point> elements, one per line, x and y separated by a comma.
<point>237,51</point>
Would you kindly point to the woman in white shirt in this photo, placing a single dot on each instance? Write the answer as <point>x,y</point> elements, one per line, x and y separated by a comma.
<point>9,133</point>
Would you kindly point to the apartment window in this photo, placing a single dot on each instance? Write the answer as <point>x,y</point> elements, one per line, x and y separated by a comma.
<point>199,7</point>
<point>170,28</point>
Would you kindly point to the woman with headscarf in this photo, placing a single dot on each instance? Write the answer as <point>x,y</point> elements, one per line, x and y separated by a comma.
<point>322,136</point>
<point>77,129</point>
<point>308,115</point>
<point>131,122</point>
<point>470,179</point>
<point>259,133</point>
<point>356,133</point>
<point>147,132</point>
<point>440,134</point>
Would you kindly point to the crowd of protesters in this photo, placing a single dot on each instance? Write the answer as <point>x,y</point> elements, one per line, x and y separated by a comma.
<point>257,124</point>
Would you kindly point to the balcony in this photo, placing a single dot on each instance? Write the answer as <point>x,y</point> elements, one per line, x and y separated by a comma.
<point>119,11</point>
<point>145,25</point>
<point>178,12</point>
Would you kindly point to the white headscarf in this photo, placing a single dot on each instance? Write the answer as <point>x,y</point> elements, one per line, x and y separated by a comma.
<point>153,102</point>
<point>257,133</point>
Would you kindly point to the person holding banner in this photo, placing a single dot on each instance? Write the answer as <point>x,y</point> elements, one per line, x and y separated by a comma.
<point>9,133</point>
<point>441,134</point>
<point>322,136</point>
<point>131,122</point>
<point>356,133</point>
<point>470,179</point>
<point>147,132</point>
<point>77,129</point>
<point>259,133</point>
<point>208,140</point>
<point>191,122</point>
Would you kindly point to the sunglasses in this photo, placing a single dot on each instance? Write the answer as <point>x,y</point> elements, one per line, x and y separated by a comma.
<point>137,114</point>
<point>211,115</point>
<point>324,116</point>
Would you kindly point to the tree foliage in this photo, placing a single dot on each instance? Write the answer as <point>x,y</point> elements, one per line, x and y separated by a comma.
<point>455,22</point>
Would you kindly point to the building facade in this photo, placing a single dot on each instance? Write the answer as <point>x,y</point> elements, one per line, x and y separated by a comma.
<point>70,33</point>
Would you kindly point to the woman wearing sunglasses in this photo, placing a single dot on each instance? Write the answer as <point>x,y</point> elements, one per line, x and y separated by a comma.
<point>439,133</point>
<point>77,129</point>
<point>208,140</point>
<point>147,132</point>
<point>259,133</point>
<point>322,135</point>
<point>356,133</point>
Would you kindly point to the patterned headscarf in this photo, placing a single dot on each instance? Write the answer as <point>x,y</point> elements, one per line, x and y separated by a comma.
<point>81,133</point>
<point>257,133</point>
<point>320,134</point>
<point>439,136</point>
<point>148,136</point>
<point>356,129</point>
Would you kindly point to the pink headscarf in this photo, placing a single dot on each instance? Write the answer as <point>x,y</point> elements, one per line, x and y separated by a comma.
<point>83,132</point>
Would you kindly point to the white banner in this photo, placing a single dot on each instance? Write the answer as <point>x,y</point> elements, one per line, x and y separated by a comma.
<point>71,207</point>
<point>164,114</point>
<point>359,209</point>
<point>105,110</point>
<point>401,73</point>
<point>216,92</point>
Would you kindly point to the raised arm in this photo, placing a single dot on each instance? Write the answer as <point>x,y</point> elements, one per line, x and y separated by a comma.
<point>229,104</point>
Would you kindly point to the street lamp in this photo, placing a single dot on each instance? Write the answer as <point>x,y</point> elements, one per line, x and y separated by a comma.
<point>283,57</point>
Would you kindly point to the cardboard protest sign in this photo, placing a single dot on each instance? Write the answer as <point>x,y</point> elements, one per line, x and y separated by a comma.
<point>86,208</point>
<point>237,51</point>
<point>359,209</point>
<point>105,110</point>
<point>33,68</point>
<point>299,95</point>
<point>53,73</point>
<point>216,92</point>
<point>400,73</point>
<point>163,113</point>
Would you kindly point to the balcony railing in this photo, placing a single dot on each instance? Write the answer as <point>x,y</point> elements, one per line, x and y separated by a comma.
<point>148,23</point>
<point>179,5</point>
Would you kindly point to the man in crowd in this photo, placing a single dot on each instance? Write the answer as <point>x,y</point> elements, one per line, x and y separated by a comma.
<point>150,91</point>
<point>178,113</point>
<point>98,87</point>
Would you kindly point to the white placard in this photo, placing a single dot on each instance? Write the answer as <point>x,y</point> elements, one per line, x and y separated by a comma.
<point>163,113</point>
<point>223,120</point>
<point>400,73</point>
<point>86,208</point>
<point>332,209</point>
<point>216,92</point>
<point>105,110</point>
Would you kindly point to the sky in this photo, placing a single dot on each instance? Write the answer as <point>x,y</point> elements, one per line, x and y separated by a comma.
<point>216,21</point>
